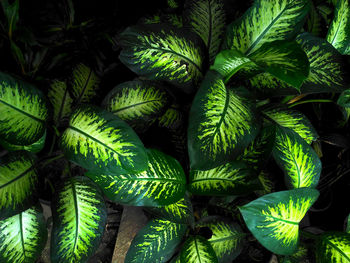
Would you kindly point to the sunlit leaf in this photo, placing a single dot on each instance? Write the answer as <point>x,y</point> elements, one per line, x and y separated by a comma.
<point>333,247</point>
<point>339,31</point>
<point>297,159</point>
<point>207,19</point>
<point>232,178</point>
<point>162,53</point>
<point>274,218</point>
<point>139,103</point>
<point>23,236</point>
<point>23,112</point>
<point>197,250</point>
<point>156,242</point>
<point>18,183</point>
<point>221,124</point>
<point>79,217</point>
<point>163,183</point>
<point>61,100</point>
<point>266,21</point>
<point>84,84</point>
<point>99,141</point>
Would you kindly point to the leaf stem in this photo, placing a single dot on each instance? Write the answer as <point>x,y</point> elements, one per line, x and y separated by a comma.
<point>309,101</point>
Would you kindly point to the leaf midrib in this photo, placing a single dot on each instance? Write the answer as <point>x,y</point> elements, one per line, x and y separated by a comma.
<point>197,250</point>
<point>18,177</point>
<point>74,193</point>
<point>338,27</point>
<point>22,238</point>
<point>79,99</point>
<point>336,248</point>
<point>283,220</point>
<point>152,179</point>
<point>135,105</point>
<point>213,179</point>
<point>231,237</point>
<point>23,112</point>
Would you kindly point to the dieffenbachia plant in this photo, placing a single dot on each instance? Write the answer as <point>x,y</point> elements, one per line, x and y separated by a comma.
<point>231,123</point>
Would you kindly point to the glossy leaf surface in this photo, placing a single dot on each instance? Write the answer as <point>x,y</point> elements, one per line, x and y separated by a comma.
<point>99,141</point>
<point>274,218</point>
<point>23,111</point>
<point>197,250</point>
<point>162,53</point>
<point>79,217</point>
<point>266,21</point>
<point>333,247</point>
<point>23,236</point>
<point>156,242</point>
<point>298,160</point>
<point>163,183</point>
<point>221,124</point>
<point>17,172</point>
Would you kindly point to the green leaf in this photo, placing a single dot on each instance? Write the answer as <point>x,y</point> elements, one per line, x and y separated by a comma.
<point>172,118</point>
<point>266,182</point>
<point>207,19</point>
<point>227,239</point>
<point>266,21</point>
<point>297,257</point>
<point>156,242</point>
<point>197,250</point>
<point>348,224</point>
<point>333,247</point>
<point>99,141</point>
<point>34,147</point>
<point>221,124</point>
<point>138,103</point>
<point>180,212</point>
<point>293,120</point>
<point>163,183</point>
<point>344,99</point>
<point>23,236</point>
<point>84,84</point>
<point>61,100</point>
<point>259,150</point>
<point>339,31</point>
<point>11,12</point>
<point>79,217</point>
<point>297,159</point>
<point>233,178</point>
<point>162,53</point>
<point>274,218</point>
<point>17,172</point>
<point>23,111</point>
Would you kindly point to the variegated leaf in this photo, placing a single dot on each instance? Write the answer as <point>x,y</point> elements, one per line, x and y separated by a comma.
<point>23,112</point>
<point>333,247</point>
<point>259,150</point>
<point>266,182</point>
<point>207,19</point>
<point>266,21</point>
<point>221,124</point>
<point>159,18</point>
<point>293,120</point>
<point>339,31</point>
<point>23,236</point>
<point>297,159</point>
<point>163,183</point>
<point>61,100</point>
<point>156,242</point>
<point>34,147</point>
<point>344,99</point>
<point>139,103</point>
<point>162,53</point>
<point>84,84</point>
<point>180,212</point>
<point>227,239</point>
<point>233,178</point>
<point>172,118</point>
<point>300,256</point>
<point>99,141</point>
<point>197,250</point>
<point>17,172</point>
<point>274,218</point>
<point>79,217</point>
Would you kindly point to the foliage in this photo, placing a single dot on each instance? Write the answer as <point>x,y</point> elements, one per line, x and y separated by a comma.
<point>194,129</point>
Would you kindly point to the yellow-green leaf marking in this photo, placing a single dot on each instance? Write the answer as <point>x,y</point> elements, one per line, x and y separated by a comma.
<point>232,178</point>
<point>221,124</point>
<point>274,218</point>
<point>84,84</point>
<point>197,250</point>
<point>139,103</point>
<point>18,183</point>
<point>23,111</point>
<point>266,21</point>
<point>339,31</point>
<point>163,183</point>
<point>60,100</point>
<point>79,217</point>
<point>333,247</point>
<point>298,160</point>
<point>156,242</point>
<point>207,19</point>
<point>23,236</point>
<point>162,53</point>
<point>99,141</point>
